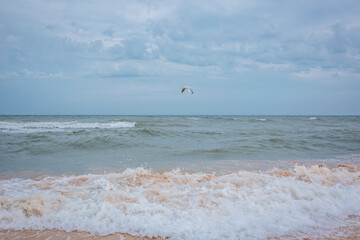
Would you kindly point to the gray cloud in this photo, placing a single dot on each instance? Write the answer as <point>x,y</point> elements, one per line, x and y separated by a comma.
<point>167,42</point>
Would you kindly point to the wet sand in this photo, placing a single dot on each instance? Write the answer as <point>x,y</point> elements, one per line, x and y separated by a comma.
<point>59,234</point>
<point>340,233</point>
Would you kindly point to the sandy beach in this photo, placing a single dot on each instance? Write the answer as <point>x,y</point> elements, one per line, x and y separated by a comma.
<point>59,234</point>
<point>340,233</point>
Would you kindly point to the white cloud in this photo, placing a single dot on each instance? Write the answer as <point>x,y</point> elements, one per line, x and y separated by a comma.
<point>141,13</point>
<point>326,74</point>
<point>250,65</point>
<point>31,74</point>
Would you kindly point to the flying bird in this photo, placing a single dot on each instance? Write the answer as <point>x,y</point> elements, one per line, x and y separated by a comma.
<point>190,89</point>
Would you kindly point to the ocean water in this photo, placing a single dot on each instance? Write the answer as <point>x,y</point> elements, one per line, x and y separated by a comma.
<point>183,177</point>
<point>81,144</point>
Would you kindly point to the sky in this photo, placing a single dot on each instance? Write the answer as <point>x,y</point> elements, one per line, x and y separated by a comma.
<point>244,57</point>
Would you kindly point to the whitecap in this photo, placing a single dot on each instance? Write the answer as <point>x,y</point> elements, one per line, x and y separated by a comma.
<point>31,127</point>
<point>193,118</point>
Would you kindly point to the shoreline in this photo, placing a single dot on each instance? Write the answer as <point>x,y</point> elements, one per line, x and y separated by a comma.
<point>61,234</point>
<point>339,233</point>
<point>220,167</point>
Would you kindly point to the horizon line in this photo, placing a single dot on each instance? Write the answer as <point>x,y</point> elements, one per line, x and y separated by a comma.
<point>180,115</point>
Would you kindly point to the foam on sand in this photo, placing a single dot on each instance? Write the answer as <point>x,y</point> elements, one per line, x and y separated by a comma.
<point>186,205</point>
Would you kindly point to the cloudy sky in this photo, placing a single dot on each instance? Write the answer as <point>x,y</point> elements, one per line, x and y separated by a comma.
<point>133,57</point>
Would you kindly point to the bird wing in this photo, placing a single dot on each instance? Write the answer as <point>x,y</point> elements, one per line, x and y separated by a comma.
<point>183,89</point>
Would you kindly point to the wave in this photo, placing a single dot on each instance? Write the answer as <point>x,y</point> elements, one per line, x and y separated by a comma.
<point>33,127</point>
<point>193,118</point>
<point>259,120</point>
<point>151,132</point>
<point>206,132</point>
<point>185,205</point>
<point>219,117</point>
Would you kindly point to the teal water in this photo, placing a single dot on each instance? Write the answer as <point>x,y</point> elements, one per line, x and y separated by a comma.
<point>79,144</point>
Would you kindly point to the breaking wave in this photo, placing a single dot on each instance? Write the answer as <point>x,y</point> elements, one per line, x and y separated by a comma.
<point>185,205</point>
<point>32,127</point>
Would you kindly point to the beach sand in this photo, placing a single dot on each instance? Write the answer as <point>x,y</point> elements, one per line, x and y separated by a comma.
<point>59,234</point>
<point>340,233</point>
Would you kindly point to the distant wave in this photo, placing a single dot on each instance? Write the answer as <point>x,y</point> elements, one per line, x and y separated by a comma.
<point>185,205</point>
<point>225,118</point>
<point>31,127</point>
<point>258,120</point>
<point>151,132</point>
<point>206,132</point>
<point>193,118</point>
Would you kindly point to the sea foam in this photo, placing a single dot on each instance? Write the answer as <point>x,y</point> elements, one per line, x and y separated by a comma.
<point>185,205</point>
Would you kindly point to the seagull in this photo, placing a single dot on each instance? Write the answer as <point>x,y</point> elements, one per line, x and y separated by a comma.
<point>190,89</point>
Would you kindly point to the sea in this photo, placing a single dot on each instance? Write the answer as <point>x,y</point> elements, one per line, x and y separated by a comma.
<point>181,177</point>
